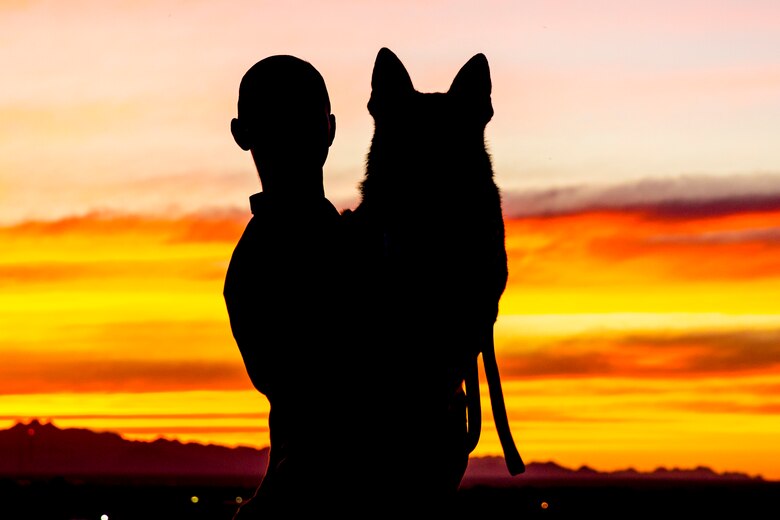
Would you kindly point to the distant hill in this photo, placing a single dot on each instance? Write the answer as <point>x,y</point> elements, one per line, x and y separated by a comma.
<point>492,471</point>
<point>38,449</point>
<point>41,449</point>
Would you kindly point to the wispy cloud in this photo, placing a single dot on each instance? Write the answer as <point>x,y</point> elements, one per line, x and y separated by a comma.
<point>730,407</point>
<point>57,372</point>
<point>685,196</point>
<point>608,240</point>
<point>648,355</point>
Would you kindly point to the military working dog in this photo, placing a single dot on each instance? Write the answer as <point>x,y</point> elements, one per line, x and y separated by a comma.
<point>434,257</point>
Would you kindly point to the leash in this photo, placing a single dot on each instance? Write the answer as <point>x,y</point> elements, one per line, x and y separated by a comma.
<point>514,462</point>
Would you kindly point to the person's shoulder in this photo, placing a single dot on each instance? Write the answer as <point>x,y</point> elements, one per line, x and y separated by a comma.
<point>329,208</point>
<point>356,220</point>
<point>259,202</point>
<point>351,216</point>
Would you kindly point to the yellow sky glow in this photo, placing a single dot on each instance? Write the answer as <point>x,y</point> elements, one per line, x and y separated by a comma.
<point>611,351</point>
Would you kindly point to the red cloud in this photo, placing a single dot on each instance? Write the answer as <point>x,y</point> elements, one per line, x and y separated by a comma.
<point>649,355</point>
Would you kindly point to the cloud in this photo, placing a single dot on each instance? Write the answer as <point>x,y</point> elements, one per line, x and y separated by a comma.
<point>685,196</point>
<point>177,226</point>
<point>640,237</point>
<point>648,355</point>
<point>769,235</point>
<point>722,406</point>
<point>147,416</point>
<point>190,429</point>
<point>58,372</point>
<point>116,248</point>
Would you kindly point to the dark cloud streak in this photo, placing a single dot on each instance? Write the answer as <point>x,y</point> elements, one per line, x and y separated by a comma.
<point>39,374</point>
<point>685,196</point>
<point>651,355</point>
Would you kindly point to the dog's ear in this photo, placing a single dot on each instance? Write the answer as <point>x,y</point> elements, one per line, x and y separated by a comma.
<point>472,84</point>
<point>390,81</point>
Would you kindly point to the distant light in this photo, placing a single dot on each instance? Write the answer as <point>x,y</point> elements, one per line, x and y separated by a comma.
<point>194,500</point>
<point>545,505</point>
<point>30,431</point>
<point>103,517</point>
<point>239,500</point>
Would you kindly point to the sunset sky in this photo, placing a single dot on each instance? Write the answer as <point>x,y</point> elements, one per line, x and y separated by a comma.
<point>635,144</point>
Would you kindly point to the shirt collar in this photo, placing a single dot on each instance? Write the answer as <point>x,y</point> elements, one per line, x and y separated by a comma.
<point>261,202</point>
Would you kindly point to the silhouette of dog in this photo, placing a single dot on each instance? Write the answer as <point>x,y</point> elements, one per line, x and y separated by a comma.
<point>430,212</point>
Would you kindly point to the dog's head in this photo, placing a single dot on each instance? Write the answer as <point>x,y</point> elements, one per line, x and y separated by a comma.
<point>393,96</point>
<point>435,137</point>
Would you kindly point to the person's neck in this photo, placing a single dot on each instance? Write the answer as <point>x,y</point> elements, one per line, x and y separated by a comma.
<point>307,189</point>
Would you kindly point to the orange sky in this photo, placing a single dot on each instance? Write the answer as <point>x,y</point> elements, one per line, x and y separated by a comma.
<point>635,144</point>
<point>627,337</point>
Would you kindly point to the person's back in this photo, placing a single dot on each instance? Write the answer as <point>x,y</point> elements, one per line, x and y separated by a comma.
<point>282,285</point>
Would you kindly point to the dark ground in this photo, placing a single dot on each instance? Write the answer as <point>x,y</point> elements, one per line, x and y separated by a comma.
<point>59,499</point>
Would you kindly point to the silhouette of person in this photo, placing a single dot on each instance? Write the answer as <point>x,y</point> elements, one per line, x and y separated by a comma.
<point>281,287</point>
<point>305,292</point>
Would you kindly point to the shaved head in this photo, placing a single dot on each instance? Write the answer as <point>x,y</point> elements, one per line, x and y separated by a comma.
<point>281,83</point>
<point>284,119</point>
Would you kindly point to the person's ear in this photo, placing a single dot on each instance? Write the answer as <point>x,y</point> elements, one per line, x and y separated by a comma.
<point>240,134</point>
<point>331,128</point>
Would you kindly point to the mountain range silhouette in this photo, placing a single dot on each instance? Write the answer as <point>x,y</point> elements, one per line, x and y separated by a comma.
<point>41,449</point>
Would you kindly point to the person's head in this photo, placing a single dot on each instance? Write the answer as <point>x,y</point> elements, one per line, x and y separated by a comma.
<point>284,119</point>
